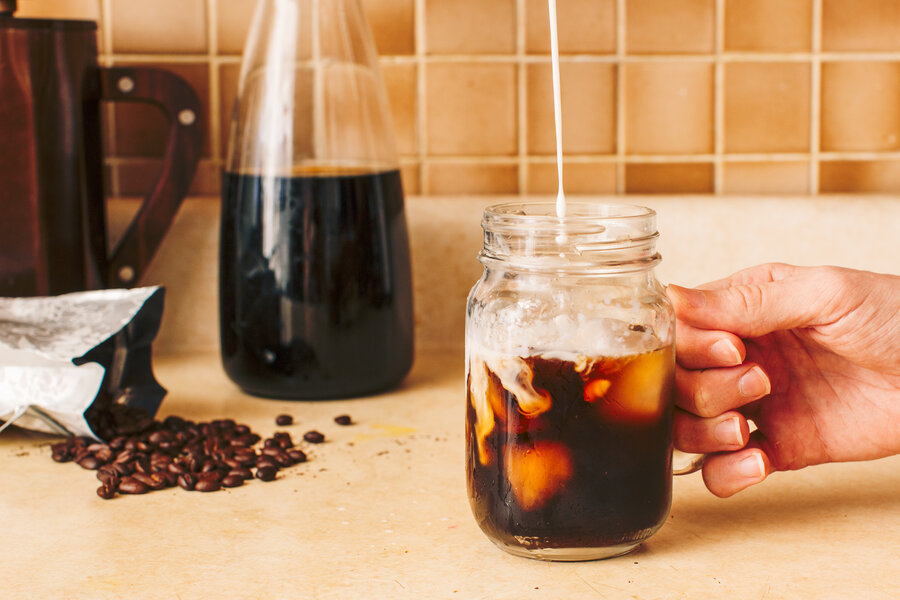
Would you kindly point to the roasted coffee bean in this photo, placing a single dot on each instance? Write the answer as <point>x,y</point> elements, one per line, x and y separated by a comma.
<point>107,473</point>
<point>187,481</point>
<point>231,481</point>
<point>266,473</point>
<point>297,456</point>
<point>283,420</point>
<point>313,437</point>
<point>246,459</point>
<point>284,440</point>
<point>129,485</point>
<point>158,437</point>
<point>122,468</point>
<point>143,478</point>
<point>90,462</point>
<point>208,485</point>
<point>106,491</point>
<point>209,476</point>
<point>266,461</point>
<point>142,464</point>
<point>343,420</point>
<point>124,456</point>
<point>61,452</point>
<point>270,443</point>
<point>209,466</point>
<point>242,472</point>
<point>104,454</point>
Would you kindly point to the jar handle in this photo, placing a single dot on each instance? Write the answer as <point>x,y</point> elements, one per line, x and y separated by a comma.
<point>689,463</point>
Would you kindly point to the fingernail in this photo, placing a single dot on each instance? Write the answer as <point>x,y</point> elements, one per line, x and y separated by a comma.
<point>754,383</point>
<point>752,467</point>
<point>728,432</point>
<point>693,298</point>
<point>726,351</point>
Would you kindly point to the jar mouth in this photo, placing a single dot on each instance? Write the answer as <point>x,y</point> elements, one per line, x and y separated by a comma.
<point>580,216</point>
<point>591,236</point>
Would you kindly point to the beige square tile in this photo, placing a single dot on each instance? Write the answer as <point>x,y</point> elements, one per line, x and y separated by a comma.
<point>669,178</point>
<point>393,25</point>
<point>588,96</point>
<point>60,9</point>
<point>583,26</point>
<point>673,26</point>
<point>400,81</point>
<point>877,176</point>
<point>471,109</point>
<point>141,129</point>
<point>159,27</point>
<point>409,174</point>
<point>578,178</point>
<point>137,177</point>
<point>767,107</point>
<point>668,108</point>
<point>752,25</point>
<point>766,178</point>
<point>470,26</point>
<point>859,106</point>
<point>232,25</point>
<point>472,178</point>
<point>860,25</point>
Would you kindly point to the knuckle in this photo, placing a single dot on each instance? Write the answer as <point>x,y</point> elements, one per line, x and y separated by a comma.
<point>702,401</point>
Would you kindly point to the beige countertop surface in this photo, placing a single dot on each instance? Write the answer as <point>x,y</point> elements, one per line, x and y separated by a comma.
<point>380,510</point>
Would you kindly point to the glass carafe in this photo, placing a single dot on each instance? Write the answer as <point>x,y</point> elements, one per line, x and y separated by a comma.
<point>315,282</point>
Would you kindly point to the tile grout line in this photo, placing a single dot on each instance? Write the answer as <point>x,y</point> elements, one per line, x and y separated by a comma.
<point>522,99</point>
<point>726,57</point>
<point>215,117</point>
<point>421,88</point>
<point>620,96</point>
<point>658,159</point>
<point>815,100</point>
<point>719,100</point>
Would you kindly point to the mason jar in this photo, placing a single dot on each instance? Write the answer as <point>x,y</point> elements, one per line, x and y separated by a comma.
<point>570,375</point>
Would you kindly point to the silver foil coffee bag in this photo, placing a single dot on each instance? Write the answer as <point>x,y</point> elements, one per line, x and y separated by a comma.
<point>70,364</point>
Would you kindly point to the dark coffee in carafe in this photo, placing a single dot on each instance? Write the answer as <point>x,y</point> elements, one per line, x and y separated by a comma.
<point>315,283</point>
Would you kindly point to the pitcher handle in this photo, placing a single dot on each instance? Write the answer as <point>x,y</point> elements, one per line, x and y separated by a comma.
<point>179,102</point>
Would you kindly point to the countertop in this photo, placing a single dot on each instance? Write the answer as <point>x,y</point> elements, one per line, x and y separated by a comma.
<point>380,510</point>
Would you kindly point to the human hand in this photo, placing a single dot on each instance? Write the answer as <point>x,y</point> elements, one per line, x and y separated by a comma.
<point>811,355</point>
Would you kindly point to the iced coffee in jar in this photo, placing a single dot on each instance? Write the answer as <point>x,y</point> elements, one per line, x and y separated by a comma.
<point>570,372</point>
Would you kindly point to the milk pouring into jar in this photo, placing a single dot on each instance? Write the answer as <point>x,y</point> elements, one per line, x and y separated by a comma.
<point>557,109</point>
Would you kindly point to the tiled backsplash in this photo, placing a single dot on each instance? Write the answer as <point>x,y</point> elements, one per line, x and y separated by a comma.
<point>706,96</point>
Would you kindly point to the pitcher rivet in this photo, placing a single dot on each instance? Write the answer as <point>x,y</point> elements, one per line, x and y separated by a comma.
<point>187,117</point>
<point>126,274</point>
<point>125,85</point>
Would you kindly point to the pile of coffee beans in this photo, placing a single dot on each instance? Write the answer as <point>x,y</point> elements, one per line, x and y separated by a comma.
<point>146,455</point>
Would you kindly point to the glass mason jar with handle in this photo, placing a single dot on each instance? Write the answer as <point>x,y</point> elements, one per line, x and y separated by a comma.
<point>570,377</point>
<point>315,282</point>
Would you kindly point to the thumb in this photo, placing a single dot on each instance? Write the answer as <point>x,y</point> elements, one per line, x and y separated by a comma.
<point>747,310</point>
